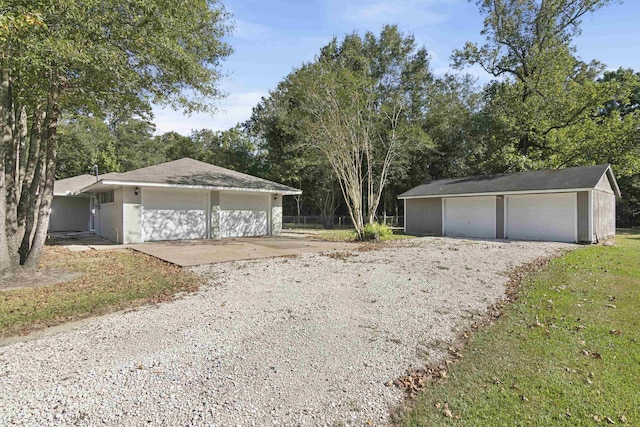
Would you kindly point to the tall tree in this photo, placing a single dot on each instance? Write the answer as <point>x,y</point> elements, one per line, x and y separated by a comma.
<point>360,99</point>
<point>277,125</point>
<point>84,141</point>
<point>542,90</point>
<point>80,56</point>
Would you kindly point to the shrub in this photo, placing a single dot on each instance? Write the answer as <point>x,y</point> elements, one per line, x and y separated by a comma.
<point>377,232</point>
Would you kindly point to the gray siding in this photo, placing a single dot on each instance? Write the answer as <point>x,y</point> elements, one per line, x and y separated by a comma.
<point>424,216</point>
<point>500,217</point>
<point>583,217</point>
<point>69,214</point>
<point>604,184</point>
<point>604,215</point>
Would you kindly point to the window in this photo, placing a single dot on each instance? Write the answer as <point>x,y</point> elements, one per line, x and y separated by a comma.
<point>106,197</point>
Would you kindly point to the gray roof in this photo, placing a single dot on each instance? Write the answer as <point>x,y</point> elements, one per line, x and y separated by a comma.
<point>74,184</point>
<point>542,180</point>
<point>189,173</point>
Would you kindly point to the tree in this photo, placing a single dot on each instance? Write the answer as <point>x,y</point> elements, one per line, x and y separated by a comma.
<point>542,92</point>
<point>80,56</point>
<point>360,99</point>
<point>277,126</point>
<point>82,142</point>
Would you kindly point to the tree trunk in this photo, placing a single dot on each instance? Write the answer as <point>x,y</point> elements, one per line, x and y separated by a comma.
<point>32,202</point>
<point>5,144</point>
<point>11,164</point>
<point>42,225</point>
<point>30,182</point>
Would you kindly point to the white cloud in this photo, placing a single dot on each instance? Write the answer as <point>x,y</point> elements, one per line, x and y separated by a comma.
<point>251,31</point>
<point>366,13</point>
<point>232,110</point>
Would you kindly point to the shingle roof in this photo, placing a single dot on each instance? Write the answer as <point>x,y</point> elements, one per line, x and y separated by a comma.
<point>542,180</point>
<point>190,172</point>
<point>75,183</point>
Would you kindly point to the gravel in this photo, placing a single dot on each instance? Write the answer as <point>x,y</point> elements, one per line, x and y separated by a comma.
<point>309,340</point>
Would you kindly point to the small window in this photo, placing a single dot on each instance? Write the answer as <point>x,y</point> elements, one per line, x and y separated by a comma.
<point>106,197</point>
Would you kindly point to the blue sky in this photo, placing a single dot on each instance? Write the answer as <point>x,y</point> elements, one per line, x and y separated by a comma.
<point>273,37</point>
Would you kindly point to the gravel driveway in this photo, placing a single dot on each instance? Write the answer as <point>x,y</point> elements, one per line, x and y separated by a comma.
<point>309,340</point>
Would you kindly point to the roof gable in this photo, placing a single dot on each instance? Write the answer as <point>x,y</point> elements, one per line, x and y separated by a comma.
<point>584,177</point>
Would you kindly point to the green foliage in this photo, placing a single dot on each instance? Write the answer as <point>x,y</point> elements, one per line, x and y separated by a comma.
<point>377,232</point>
<point>545,108</point>
<point>357,107</point>
<point>123,53</point>
<point>121,146</point>
<point>565,354</point>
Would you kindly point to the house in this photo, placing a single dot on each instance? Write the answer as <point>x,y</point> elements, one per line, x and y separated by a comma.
<point>182,199</point>
<point>70,210</point>
<point>567,205</point>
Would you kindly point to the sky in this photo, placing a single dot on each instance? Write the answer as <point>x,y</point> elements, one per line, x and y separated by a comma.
<point>273,37</point>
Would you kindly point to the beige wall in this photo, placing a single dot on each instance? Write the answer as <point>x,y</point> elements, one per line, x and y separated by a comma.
<point>424,216</point>
<point>276,215</point>
<point>109,218</point>
<point>215,215</point>
<point>69,214</point>
<point>132,215</point>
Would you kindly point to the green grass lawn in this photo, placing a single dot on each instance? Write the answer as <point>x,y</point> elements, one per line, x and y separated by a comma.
<point>566,353</point>
<point>108,281</point>
<point>351,236</point>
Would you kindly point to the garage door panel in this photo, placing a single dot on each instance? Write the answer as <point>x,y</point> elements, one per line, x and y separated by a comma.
<point>546,217</point>
<point>470,217</point>
<point>174,215</point>
<point>243,215</point>
<point>243,223</point>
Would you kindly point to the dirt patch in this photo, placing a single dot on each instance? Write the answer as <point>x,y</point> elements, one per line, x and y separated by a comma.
<point>22,279</point>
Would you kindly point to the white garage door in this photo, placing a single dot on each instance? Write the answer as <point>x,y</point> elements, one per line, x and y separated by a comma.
<point>542,217</point>
<point>173,215</point>
<point>470,217</point>
<point>243,215</point>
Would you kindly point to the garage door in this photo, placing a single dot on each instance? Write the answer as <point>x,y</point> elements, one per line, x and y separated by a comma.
<point>173,215</point>
<point>243,215</point>
<point>470,217</point>
<point>542,217</point>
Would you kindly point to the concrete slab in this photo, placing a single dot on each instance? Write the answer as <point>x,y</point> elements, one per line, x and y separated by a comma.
<point>187,253</point>
<point>82,241</point>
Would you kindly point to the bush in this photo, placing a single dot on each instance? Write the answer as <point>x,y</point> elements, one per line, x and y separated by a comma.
<point>377,232</point>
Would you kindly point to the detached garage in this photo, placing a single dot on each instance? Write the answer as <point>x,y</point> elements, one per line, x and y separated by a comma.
<point>565,205</point>
<point>180,200</point>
